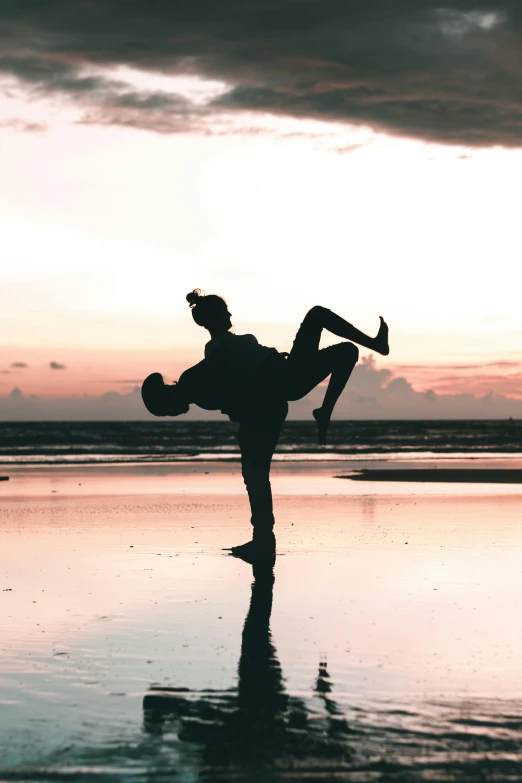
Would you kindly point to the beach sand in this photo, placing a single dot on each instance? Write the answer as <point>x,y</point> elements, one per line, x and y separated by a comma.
<point>441,475</point>
<point>395,642</point>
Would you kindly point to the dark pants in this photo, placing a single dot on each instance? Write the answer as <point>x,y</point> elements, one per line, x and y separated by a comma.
<point>277,381</point>
<point>258,438</point>
<point>308,365</point>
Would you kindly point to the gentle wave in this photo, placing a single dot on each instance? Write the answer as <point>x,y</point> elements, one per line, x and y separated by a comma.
<point>234,456</point>
<point>34,443</point>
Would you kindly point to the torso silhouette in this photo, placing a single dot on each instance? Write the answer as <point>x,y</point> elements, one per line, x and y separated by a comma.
<point>240,353</point>
<point>234,378</point>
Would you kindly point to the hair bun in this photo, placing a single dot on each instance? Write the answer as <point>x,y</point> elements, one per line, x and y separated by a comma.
<point>193,297</point>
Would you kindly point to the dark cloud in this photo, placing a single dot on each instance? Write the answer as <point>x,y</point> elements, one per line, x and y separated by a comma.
<point>57,366</point>
<point>107,101</point>
<point>14,123</point>
<point>440,71</point>
<point>51,75</point>
<point>19,365</point>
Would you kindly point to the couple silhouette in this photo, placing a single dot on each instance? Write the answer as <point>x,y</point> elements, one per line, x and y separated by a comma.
<point>252,384</point>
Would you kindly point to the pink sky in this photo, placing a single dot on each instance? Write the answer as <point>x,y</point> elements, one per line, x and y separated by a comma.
<point>110,216</point>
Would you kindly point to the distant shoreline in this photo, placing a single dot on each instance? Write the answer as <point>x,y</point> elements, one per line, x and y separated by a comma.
<point>441,475</point>
<point>8,462</point>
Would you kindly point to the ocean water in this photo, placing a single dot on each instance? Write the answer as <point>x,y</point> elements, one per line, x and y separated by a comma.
<point>167,441</point>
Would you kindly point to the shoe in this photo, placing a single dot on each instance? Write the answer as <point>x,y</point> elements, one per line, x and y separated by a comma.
<point>262,548</point>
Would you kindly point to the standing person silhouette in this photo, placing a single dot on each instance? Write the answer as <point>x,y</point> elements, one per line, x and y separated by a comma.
<point>252,384</point>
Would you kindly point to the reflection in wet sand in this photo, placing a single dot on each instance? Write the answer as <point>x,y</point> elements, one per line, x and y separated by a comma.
<point>415,598</point>
<point>256,728</point>
<point>260,732</point>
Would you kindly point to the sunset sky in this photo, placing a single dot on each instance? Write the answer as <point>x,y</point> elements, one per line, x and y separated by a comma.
<point>362,156</point>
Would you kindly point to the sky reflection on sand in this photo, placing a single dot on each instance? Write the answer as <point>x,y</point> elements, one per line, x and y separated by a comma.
<point>224,478</point>
<point>414,599</point>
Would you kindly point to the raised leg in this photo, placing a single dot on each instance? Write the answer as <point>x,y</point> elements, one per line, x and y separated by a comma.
<point>319,318</point>
<point>337,361</point>
<point>345,360</point>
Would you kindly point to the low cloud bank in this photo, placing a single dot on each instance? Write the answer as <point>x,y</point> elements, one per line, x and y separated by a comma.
<point>372,393</point>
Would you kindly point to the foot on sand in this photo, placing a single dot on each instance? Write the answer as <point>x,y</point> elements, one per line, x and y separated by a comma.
<point>381,341</point>
<point>323,422</point>
<point>260,549</point>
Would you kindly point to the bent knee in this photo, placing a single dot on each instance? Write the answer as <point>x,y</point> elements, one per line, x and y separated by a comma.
<point>316,313</point>
<point>350,352</point>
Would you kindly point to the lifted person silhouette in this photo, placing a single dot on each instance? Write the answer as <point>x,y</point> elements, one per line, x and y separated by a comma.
<point>252,384</point>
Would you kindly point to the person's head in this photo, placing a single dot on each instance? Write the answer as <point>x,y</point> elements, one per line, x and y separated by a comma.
<point>209,311</point>
<point>161,399</point>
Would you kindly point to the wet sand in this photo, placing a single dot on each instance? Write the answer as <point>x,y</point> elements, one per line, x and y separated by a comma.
<point>389,644</point>
<point>441,475</point>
